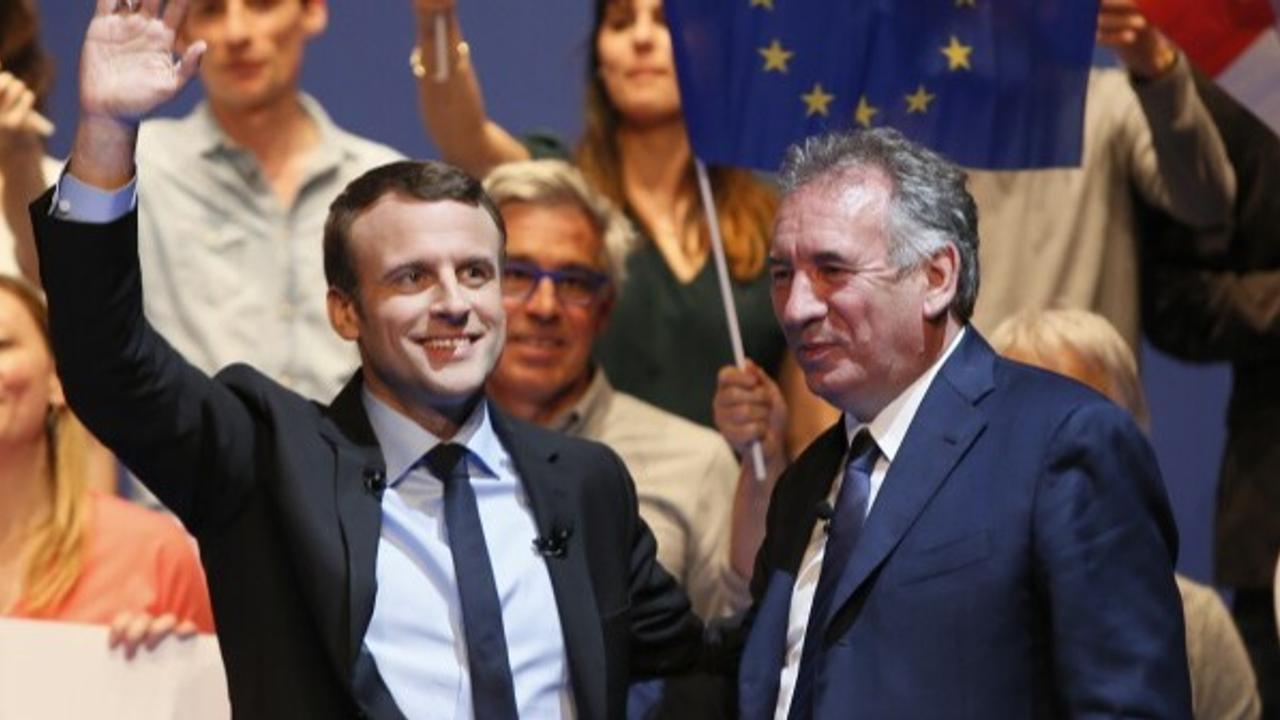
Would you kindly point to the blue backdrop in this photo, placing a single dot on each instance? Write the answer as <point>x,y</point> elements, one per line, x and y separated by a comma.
<point>531,57</point>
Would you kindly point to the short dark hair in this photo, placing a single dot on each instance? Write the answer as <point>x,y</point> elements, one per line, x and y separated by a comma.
<point>929,205</point>
<point>426,180</point>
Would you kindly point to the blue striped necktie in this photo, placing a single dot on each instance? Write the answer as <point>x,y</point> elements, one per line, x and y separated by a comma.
<point>845,527</point>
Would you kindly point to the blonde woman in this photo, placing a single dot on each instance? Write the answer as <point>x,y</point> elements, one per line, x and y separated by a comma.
<point>69,552</point>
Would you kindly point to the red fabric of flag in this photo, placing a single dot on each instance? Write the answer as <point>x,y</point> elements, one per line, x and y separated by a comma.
<point>1212,32</point>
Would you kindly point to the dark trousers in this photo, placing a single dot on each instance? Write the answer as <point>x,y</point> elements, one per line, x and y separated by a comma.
<point>1255,615</point>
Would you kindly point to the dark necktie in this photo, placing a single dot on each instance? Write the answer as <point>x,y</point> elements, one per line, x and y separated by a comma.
<point>492,690</point>
<point>846,526</point>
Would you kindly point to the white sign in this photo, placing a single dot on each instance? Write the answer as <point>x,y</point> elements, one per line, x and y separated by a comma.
<point>65,671</point>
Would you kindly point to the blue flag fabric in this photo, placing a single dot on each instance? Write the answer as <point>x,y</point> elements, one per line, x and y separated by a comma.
<point>994,84</point>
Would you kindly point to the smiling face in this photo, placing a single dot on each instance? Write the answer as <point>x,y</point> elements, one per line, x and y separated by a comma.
<point>862,330</point>
<point>546,365</point>
<point>255,48</point>
<point>28,385</point>
<point>636,65</point>
<point>428,318</point>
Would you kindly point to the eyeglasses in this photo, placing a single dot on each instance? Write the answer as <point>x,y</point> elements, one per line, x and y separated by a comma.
<point>573,286</point>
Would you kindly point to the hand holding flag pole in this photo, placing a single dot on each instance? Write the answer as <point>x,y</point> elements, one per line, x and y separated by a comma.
<point>726,294</point>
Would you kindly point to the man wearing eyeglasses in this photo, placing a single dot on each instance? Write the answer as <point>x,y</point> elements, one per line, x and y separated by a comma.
<point>566,252</point>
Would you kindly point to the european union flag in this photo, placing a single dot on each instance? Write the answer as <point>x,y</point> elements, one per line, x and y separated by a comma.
<point>989,83</point>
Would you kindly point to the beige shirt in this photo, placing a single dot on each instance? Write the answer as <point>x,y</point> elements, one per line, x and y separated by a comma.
<point>1067,238</point>
<point>1222,680</point>
<point>8,259</point>
<point>228,273</point>
<point>685,477</point>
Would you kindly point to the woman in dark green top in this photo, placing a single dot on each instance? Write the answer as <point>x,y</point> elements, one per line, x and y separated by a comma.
<point>668,336</point>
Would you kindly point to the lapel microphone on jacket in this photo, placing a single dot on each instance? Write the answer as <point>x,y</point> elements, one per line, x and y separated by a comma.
<point>555,543</point>
<point>375,480</point>
<point>824,512</point>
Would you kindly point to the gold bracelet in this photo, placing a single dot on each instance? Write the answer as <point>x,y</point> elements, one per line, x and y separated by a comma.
<point>462,51</point>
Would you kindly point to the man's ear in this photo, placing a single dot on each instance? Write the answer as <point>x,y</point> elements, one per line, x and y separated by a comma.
<point>315,16</point>
<point>941,275</point>
<point>344,314</point>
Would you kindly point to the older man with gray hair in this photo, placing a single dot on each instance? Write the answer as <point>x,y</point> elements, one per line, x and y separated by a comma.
<point>566,254</point>
<point>974,538</point>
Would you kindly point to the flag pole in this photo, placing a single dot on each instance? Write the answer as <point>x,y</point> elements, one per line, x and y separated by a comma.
<point>442,53</point>
<point>726,294</point>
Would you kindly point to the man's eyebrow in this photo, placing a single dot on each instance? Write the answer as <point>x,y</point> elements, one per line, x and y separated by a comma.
<point>828,257</point>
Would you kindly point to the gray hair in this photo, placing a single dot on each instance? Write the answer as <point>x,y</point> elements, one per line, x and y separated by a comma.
<point>929,206</point>
<point>555,182</point>
<point>1080,344</point>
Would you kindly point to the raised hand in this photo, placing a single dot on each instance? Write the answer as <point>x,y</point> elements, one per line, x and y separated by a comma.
<point>128,65</point>
<point>21,127</point>
<point>1124,28</point>
<point>127,69</point>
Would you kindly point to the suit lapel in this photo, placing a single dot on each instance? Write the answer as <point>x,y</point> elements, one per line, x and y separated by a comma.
<point>812,475</point>
<point>945,425</point>
<point>359,479</point>
<point>805,484</point>
<point>552,496</point>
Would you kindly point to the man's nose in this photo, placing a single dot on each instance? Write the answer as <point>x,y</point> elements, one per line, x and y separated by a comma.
<point>803,304</point>
<point>542,302</point>
<point>449,301</point>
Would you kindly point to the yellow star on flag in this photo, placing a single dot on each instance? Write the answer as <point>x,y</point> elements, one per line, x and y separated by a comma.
<point>957,54</point>
<point>775,57</point>
<point>918,101</point>
<point>768,4</point>
<point>865,113</point>
<point>817,100</point>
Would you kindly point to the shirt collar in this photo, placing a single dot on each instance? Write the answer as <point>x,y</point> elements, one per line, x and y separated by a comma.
<point>327,152</point>
<point>588,410</point>
<point>404,442</point>
<point>889,427</point>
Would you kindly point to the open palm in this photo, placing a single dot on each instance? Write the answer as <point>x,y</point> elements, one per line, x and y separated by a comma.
<point>127,67</point>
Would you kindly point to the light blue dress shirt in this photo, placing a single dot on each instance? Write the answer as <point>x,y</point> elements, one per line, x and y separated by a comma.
<point>416,636</point>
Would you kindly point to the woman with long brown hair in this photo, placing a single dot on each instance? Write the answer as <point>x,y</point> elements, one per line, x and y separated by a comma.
<point>67,551</point>
<point>668,337</point>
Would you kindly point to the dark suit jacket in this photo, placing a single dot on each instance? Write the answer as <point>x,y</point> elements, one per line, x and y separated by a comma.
<point>1017,563</point>
<point>1208,300</point>
<point>283,495</point>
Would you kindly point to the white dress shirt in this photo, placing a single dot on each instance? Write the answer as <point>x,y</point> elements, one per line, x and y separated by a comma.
<point>888,430</point>
<point>415,635</point>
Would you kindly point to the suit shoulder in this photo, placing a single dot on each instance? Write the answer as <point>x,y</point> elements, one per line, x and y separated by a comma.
<point>1043,391</point>
<point>257,389</point>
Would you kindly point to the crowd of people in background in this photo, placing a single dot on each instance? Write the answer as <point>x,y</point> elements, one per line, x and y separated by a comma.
<point>614,330</point>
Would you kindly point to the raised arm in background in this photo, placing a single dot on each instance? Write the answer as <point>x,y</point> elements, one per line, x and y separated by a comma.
<point>452,102</point>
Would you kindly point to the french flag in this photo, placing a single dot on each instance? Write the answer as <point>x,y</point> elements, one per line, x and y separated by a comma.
<point>1236,42</point>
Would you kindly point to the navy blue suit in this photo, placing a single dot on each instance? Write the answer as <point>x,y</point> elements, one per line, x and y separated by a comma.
<point>1017,563</point>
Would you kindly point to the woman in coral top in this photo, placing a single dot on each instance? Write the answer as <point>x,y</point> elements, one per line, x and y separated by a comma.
<point>68,552</point>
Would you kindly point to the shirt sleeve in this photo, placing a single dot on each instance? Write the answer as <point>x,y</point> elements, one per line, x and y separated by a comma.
<point>80,202</point>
